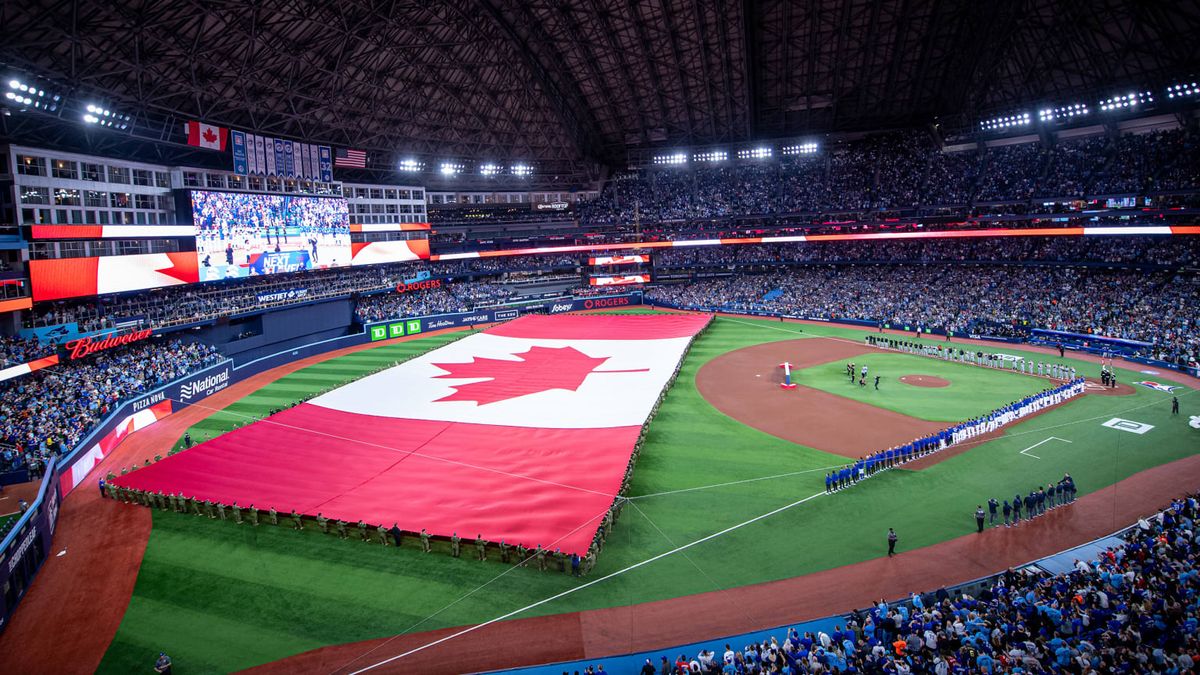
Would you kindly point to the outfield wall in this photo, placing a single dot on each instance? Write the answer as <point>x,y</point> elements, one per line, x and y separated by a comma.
<point>27,545</point>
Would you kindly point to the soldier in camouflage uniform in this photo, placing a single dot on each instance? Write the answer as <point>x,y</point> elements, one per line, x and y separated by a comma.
<point>362,531</point>
<point>221,510</point>
<point>383,535</point>
<point>341,529</point>
<point>237,513</point>
<point>253,515</point>
<point>274,516</point>
<point>455,547</point>
<point>503,551</point>
<point>540,555</point>
<point>480,547</point>
<point>323,523</point>
<point>299,524</point>
<point>425,541</point>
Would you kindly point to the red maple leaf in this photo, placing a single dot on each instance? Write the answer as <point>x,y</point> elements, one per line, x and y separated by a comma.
<point>540,369</point>
<point>209,136</point>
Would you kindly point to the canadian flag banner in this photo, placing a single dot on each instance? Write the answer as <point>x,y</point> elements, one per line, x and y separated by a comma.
<point>521,433</point>
<point>207,136</point>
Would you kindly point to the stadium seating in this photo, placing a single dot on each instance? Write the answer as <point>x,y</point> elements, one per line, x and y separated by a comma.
<point>1132,609</point>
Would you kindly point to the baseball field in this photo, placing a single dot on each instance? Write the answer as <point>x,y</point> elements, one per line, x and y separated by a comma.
<point>727,494</point>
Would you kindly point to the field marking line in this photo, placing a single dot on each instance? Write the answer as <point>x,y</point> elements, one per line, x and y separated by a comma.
<point>1052,438</point>
<point>671,542</point>
<point>529,558</point>
<point>733,482</point>
<point>576,589</point>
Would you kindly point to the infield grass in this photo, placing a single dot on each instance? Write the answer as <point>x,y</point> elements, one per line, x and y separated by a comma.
<point>218,597</point>
<point>973,390</point>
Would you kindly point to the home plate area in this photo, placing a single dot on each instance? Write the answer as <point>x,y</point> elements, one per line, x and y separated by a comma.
<point>521,433</point>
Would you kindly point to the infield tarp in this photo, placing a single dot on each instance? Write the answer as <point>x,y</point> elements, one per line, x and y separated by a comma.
<point>521,433</point>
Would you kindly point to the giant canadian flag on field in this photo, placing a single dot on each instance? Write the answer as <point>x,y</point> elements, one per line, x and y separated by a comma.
<point>520,433</point>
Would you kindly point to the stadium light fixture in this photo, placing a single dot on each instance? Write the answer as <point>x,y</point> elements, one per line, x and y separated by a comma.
<point>711,156</point>
<point>1183,89</point>
<point>101,116</point>
<point>1130,100</point>
<point>673,159</point>
<point>522,170</point>
<point>32,96</point>
<point>490,169</point>
<point>1006,122</point>
<point>809,148</point>
<point>450,168</point>
<point>411,165</point>
<point>1063,112</point>
<point>755,153</point>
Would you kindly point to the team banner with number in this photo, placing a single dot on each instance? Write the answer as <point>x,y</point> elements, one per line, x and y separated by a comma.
<point>265,156</point>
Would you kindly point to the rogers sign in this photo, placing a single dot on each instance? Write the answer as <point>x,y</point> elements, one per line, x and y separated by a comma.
<point>419,286</point>
<point>77,349</point>
<point>599,303</point>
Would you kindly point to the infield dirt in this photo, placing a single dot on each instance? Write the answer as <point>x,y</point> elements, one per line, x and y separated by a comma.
<point>744,384</point>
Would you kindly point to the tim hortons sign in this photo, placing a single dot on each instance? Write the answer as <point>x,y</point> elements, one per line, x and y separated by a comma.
<point>86,346</point>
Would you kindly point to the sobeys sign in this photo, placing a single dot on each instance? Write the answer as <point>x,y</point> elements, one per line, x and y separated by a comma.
<point>77,349</point>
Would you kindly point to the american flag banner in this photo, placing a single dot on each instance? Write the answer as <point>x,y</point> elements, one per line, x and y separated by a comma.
<point>350,159</point>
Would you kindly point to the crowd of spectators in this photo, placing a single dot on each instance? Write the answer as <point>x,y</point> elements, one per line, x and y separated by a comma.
<point>1159,308</point>
<point>901,171</point>
<point>15,350</point>
<point>49,411</point>
<point>1130,250</point>
<point>449,297</point>
<point>1132,609</point>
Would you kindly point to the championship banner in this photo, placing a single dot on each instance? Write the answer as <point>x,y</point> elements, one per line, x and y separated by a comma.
<point>251,155</point>
<point>260,152</point>
<point>326,164</point>
<point>269,155</point>
<point>240,160</point>
<point>266,156</point>
<point>289,158</point>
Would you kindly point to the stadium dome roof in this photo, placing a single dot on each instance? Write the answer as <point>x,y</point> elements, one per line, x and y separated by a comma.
<point>571,84</point>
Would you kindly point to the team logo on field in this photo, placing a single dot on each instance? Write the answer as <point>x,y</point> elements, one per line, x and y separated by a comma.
<point>1159,386</point>
<point>1194,422</point>
<point>1131,426</point>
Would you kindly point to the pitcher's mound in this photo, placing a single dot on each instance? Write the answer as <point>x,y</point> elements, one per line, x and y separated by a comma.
<point>925,381</point>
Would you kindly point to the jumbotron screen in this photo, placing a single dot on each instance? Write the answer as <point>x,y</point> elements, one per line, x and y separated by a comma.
<point>244,235</point>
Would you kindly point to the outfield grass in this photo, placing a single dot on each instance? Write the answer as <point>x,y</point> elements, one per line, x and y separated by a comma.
<point>218,597</point>
<point>973,390</point>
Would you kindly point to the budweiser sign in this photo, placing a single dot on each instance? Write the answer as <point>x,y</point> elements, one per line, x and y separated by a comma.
<point>86,346</point>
